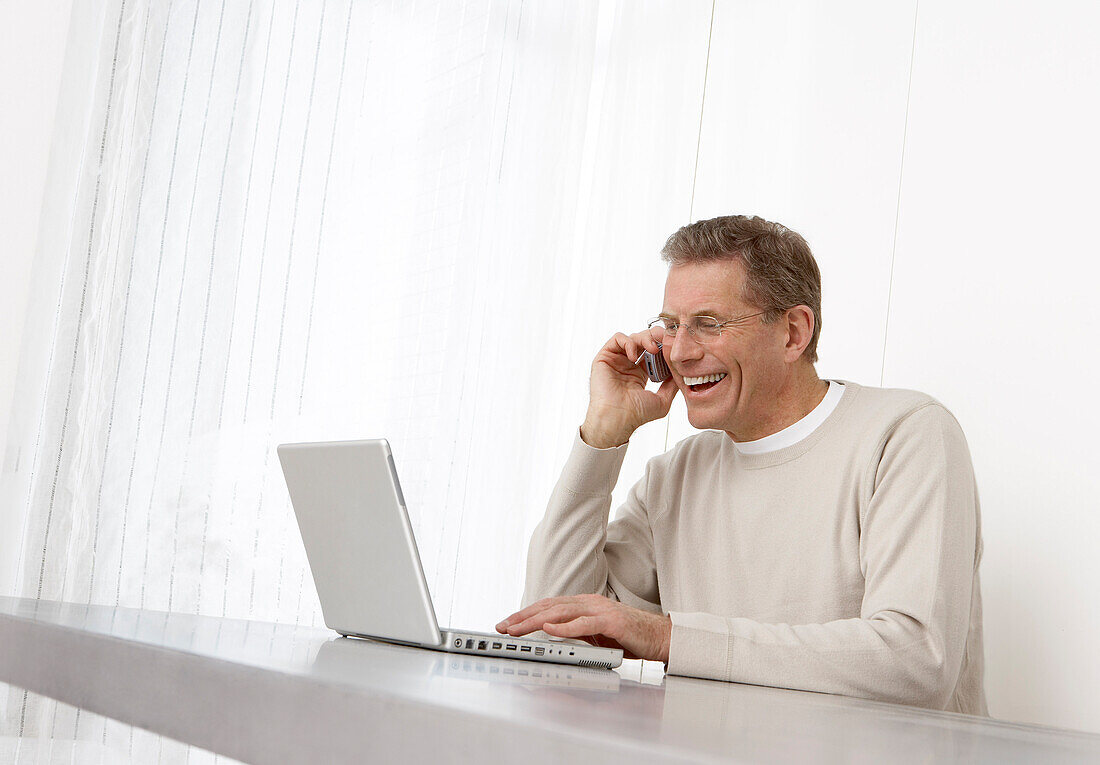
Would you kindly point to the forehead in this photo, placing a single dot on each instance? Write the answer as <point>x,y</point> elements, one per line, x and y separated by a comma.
<point>711,287</point>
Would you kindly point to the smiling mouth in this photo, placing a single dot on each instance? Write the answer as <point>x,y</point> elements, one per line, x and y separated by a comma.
<point>706,382</point>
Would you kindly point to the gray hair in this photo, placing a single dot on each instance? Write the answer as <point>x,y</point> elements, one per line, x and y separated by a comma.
<point>780,270</point>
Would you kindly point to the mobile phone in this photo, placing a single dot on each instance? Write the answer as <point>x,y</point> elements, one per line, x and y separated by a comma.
<point>655,366</point>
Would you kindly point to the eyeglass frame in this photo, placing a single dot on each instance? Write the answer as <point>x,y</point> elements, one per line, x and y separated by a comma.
<point>702,338</point>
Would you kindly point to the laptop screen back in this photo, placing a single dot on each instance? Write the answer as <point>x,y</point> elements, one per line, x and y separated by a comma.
<point>359,541</point>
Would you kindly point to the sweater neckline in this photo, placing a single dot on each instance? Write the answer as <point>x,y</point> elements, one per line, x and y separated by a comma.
<point>788,453</point>
<point>804,428</point>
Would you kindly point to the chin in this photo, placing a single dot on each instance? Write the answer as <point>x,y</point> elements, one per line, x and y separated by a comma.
<point>703,420</point>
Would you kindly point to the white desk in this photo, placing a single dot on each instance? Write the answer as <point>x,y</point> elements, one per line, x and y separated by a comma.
<point>263,692</point>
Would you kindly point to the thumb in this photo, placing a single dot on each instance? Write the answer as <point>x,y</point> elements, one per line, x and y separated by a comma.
<point>667,392</point>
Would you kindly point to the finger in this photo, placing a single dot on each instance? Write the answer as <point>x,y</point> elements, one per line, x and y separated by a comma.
<point>603,641</point>
<point>606,642</point>
<point>619,363</point>
<point>621,344</point>
<point>667,392</point>
<point>632,347</point>
<point>528,612</point>
<point>545,604</point>
<point>581,626</point>
<point>561,608</point>
<point>535,613</point>
<point>622,364</point>
<point>562,612</point>
<point>590,629</point>
<point>647,341</point>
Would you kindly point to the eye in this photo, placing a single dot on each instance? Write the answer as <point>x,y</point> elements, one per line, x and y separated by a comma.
<point>707,323</point>
<point>667,325</point>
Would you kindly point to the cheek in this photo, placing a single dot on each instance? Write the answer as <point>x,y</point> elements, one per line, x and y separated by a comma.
<point>759,355</point>
<point>733,360</point>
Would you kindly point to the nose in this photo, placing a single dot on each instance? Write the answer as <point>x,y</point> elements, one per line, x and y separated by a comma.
<point>683,347</point>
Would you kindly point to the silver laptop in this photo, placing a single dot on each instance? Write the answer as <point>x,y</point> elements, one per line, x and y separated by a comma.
<point>365,563</point>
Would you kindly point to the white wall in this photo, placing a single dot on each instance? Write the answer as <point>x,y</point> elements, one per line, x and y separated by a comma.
<point>951,216</point>
<point>32,50</point>
<point>994,311</point>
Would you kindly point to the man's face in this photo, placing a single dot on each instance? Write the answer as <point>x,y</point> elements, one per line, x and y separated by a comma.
<point>749,354</point>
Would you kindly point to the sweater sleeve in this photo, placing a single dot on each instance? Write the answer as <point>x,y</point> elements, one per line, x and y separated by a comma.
<point>574,550</point>
<point>919,552</point>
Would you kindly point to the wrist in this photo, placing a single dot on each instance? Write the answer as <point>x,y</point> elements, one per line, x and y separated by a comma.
<point>666,639</point>
<point>602,437</point>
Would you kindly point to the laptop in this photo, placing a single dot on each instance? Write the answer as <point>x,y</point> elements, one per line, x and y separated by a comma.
<point>365,563</point>
<point>340,657</point>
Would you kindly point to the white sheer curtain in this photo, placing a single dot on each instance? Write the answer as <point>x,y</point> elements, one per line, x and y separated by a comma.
<point>272,220</point>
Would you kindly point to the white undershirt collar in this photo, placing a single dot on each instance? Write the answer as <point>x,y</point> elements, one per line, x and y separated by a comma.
<point>792,434</point>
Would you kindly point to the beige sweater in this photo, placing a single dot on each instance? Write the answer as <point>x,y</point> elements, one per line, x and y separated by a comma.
<point>846,563</point>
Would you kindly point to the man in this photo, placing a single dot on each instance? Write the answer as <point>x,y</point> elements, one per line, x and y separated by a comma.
<point>818,535</point>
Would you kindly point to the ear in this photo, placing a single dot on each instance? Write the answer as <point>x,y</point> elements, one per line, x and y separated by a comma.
<point>799,323</point>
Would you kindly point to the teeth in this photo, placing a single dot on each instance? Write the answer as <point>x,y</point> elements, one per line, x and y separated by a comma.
<point>704,379</point>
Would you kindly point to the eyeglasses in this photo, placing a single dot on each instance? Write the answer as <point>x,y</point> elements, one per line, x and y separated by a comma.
<point>703,328</point>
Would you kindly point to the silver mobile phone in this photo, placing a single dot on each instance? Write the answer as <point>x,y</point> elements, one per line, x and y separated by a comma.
<point>655,366</point>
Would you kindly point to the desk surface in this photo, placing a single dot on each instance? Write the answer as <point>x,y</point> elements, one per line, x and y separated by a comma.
<point>263,692</point>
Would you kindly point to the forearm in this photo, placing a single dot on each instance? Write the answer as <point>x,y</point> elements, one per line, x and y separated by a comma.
<point>888,657</point>
<point>575,551</point>
<point>566,554</point>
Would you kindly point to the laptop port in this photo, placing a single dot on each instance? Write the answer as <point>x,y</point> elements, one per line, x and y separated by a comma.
<point>496,646</point>
<point>469,644</point>
<point>510,647</point>
<point>539,651</point>
<point>526,648</point>
<point>481,645</point>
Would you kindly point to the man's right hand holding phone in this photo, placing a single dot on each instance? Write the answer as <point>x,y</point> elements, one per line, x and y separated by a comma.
<point>619,403</point>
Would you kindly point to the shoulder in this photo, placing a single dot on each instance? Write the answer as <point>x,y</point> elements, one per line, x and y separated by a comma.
<point>907,429</point>
<point>886,409</point>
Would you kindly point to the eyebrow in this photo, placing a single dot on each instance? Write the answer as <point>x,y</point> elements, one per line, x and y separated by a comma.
<point>705,312</point>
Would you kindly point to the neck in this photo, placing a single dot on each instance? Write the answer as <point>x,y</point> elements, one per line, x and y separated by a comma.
<point>800,393</point>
